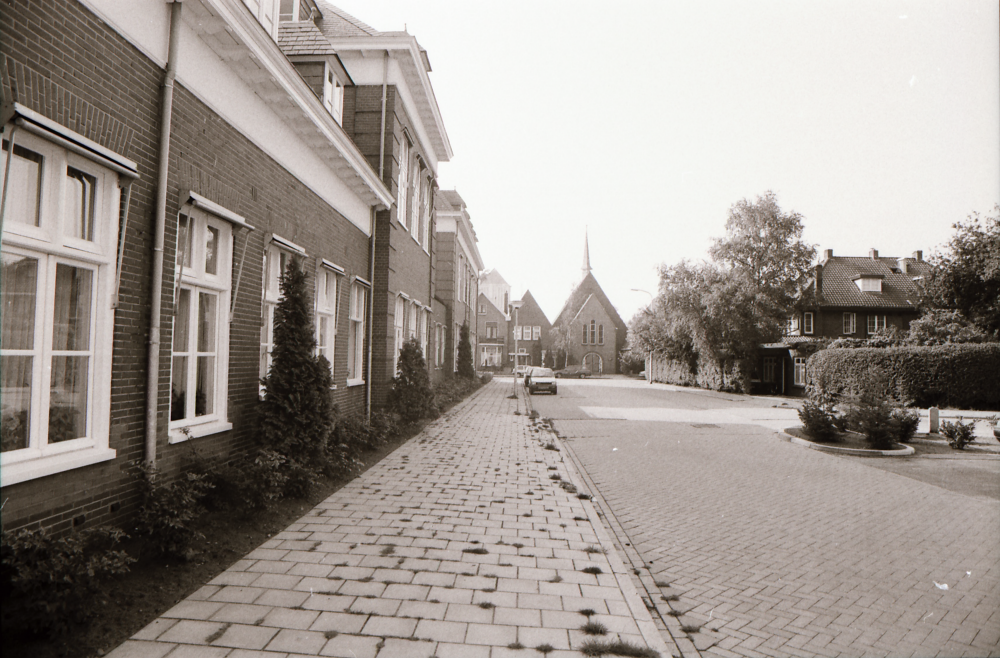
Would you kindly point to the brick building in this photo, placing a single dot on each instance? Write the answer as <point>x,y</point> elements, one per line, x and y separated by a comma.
<point>257,169</point>
<point>847,297</point>
<point>527,333</point>
<point>456,275</point>
<point>491,355</point>
<point>391,112</point>
<point>595,333</point>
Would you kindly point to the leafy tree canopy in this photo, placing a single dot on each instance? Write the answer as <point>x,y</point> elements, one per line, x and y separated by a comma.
<point>466,368</point>
<point>965,276</point>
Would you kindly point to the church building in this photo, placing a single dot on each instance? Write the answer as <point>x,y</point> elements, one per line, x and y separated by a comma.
<point>589,328</point>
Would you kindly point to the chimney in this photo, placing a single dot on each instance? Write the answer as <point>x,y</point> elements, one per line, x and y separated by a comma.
<point>918,256</point>
<point>827,254</point>
<point>903,265</point>
<point>873,253</point>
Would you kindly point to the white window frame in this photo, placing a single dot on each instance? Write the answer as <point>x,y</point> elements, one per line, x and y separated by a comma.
<point>455,339</point>
<point>277,255</point>
<point>196,279</point>
<point>357,317</point>
<point>333,94</point>
<point>850,323</point>
<point>536,332</point>
<point>266,13</point>
<point>870,284</point>
<point>876,322</point>
<point>423,331</point>
<point>600,334</point>
<point>398,322</point>
<point>411,321</point>
<point>403,180</point>
<point>799,373</point>
<point>416,202</point>
<point>807,323</point>
<point>425,213</point>
<point>329,310</point>
<point>51,246</point>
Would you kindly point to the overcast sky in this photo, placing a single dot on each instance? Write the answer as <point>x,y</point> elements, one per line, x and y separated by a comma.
<point>879,122</point>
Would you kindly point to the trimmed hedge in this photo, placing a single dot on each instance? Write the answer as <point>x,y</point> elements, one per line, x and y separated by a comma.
<point>965,376</point>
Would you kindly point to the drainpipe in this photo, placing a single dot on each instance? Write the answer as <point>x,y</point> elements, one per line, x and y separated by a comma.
<point>371,256</point>
<point>156,292</point>
<point>371,317</point>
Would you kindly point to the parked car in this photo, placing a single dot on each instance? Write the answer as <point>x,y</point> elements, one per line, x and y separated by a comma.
<point>540,379</point>
<point>579,372</point>
<point>521,371</point>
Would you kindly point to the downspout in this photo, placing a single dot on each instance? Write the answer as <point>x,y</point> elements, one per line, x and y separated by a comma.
<point>371,317</point>
<point>371,255</point>
<point>159,230</point>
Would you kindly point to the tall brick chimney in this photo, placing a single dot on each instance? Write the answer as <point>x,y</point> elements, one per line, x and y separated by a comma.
<point>918,256</point>
<point>873,253</point>
<point>827,254</point>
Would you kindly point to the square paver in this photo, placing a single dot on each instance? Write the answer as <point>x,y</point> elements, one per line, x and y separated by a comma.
<point>351,646</point>
<point>389,626</point>
<point>489,634</point>
<point>441,631</point>
<point>246,637</point>
<point>296,641</point>
<point>191,632</point>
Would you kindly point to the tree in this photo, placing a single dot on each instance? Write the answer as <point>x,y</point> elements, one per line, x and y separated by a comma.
<point>411,395</point>
<point>725,309</point>
<point>764,245</point>
<point>966,275</point>
<point>466,368</point>
<point>559,337</point>
<point>297,415</point>
<point>938,327</point>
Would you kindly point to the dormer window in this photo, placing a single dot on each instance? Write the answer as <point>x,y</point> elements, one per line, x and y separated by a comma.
<point>265,11</point>
<point>869,283</point>
<point>333,95</point>
<point>291,11</point>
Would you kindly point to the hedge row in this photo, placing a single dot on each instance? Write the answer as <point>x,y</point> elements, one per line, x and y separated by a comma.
<point>960,376</point>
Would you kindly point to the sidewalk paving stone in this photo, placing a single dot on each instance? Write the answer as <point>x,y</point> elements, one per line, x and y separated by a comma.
<point>457,544</point>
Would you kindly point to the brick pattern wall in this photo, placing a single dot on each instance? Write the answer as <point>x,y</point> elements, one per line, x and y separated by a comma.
<point>117,104</point>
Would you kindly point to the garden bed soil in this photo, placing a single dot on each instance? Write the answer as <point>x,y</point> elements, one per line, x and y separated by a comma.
<point>155,584</point>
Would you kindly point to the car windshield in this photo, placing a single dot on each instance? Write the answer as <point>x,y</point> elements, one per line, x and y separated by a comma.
<point>541,372</point>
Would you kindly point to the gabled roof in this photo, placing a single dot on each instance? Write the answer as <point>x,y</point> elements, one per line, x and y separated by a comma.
<point>837,276</point>
<point>483,296</point>
<point>587,288</point>
<point>528,300</point>
<point>492,276</point>
<point>303,38</point>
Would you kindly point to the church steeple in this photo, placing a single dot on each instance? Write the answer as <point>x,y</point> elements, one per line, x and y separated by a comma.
<point>586,254</point>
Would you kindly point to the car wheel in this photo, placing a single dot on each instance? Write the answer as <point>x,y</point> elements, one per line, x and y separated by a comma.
<point>554,391</point>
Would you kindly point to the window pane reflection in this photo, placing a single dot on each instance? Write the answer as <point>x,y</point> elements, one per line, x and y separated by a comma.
<point>211,250</point>
<point>15,395</point>
<point>68,398</point>
<point>23,185</point>
<point>71,321</point>
<point>80,203</point>
<point>18,281</point>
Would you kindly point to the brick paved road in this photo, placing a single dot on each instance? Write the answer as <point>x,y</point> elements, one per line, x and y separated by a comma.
<point>458,544</point>
<point>786,551</point>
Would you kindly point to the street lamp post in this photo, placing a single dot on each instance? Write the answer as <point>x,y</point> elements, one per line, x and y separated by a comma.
<point>649,354</point>
<point>515,305</point>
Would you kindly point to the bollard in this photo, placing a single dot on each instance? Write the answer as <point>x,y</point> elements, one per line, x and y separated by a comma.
<point>933,413</point>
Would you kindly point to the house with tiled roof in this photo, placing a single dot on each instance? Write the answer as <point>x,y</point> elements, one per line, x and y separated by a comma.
<point>847,297</point>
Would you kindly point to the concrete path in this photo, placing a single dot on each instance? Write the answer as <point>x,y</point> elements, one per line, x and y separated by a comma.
<point>468,541</point>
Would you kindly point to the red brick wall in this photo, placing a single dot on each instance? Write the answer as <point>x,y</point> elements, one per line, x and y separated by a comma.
<point>56,75</point>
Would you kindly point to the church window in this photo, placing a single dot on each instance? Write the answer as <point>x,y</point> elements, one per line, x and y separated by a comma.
<point>593,332</point>
<point>584,334</point>
<point>600,334</point>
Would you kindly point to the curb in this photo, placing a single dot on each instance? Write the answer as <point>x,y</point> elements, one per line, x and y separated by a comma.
<point>651,635</point>
<point>654,634</point>
<point>905,451</point>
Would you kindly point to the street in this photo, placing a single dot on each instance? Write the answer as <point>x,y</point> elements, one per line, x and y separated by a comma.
<point>774,549</point>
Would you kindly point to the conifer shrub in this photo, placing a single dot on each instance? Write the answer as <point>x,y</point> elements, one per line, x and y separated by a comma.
<point>48,581</point>
<point>297,416</point>
<point>818,421</point>
<point>411,395</point>
<point>906,421</point>
<point>466,368</point>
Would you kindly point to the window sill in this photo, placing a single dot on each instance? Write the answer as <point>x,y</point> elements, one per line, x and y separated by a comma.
<point>355,382</point>
<point>198,431</point>
<point>43,466</point>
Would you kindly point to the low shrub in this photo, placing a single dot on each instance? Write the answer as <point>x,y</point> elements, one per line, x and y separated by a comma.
<point>454,389</point>
<point>254,483</point>
<point>906,424</point>
<point>959,376</point>
<point>818,421</point>
<point>959,434</point>
<point>167,510</point>
<point>48,582</point>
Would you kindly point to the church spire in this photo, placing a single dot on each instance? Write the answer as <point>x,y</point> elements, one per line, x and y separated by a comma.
<point>586,254</point>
